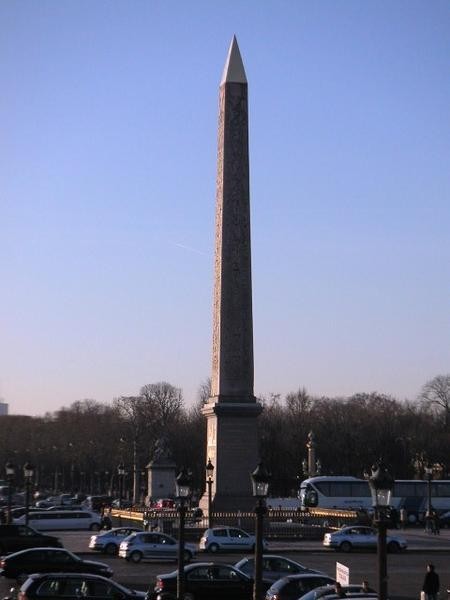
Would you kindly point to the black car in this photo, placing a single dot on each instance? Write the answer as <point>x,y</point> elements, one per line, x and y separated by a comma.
<point>46,560</point>
<point>274,567</point>
<point>294,586</point>
<point>73,586</point>
<point>205,581</point>
<point>21,537</point>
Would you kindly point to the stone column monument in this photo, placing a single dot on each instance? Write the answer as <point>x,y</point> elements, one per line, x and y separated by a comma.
<point>231,412</point>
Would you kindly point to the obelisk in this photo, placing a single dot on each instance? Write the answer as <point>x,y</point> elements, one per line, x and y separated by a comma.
<point>232,410</point>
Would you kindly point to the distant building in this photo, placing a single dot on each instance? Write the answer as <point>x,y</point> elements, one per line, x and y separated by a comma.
<point>3,408</point>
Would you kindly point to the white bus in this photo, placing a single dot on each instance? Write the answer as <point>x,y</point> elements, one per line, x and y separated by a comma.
<point>353,493</point>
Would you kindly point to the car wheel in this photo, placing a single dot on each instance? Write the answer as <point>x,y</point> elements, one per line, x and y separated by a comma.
<point>187,556</point>
<point>136,556</point>
<point>345,547</point>
<point>111,549</point>
<point>95,527</point>
<point>393,547</point>
<point>214,548</point>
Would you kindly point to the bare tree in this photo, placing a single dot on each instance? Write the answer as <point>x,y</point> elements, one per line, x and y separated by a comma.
<point>204,391</point>
<point>163,400</point>
<point>156,411</point>
<point>436,394</point>
<point>298,402</point>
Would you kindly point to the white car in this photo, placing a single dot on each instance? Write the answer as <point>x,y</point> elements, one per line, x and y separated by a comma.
<point>151,545</point>
<point>109,541</point>
<point>361,537</point>
<point>222,539</point>
<point>62,519</point>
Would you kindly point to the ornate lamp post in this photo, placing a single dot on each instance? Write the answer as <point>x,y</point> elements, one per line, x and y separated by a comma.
<point>381,484</point>
<point>10,472</point>
<point>260,483</point>
<point>121,473</point>
<point>28,472</point>
<point>183,491</point>
<point>209,482</point>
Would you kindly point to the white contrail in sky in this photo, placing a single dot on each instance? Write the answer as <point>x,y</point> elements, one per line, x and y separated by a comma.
<point>191,249</point>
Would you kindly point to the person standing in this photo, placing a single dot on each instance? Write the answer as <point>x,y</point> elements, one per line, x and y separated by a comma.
<point>403,517</point>
<point>431,583</point>
<point>339,591</point>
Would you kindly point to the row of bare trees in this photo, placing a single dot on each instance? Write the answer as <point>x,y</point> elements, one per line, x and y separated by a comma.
<point>79,448</point>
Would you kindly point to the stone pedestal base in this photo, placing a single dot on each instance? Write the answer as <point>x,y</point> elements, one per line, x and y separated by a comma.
<point>232,447</point>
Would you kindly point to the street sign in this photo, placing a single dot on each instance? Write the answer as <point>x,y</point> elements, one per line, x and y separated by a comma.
<point>342,574</point>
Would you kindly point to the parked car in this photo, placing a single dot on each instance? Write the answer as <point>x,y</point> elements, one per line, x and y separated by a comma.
<point>109,541</point>
<point>164,504</point>
<point>66,507</point>
<point>20,537</point>
<point>150,545</point>
<point>328,592</point>
<point>18,511</point>
<point>46,560</point>
<point>121,503</point>
<point>295,586</point>
<point>359,537</point>
<point>60,500</point>
<point>221,539</point>
<point>274,567</point>
<point>73,586</point>
<point>205,581</point>
<point>96,503</point>
<point>62,519</point>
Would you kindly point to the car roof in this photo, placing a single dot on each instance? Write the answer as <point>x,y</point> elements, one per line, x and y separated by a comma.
<point>194,565</point>
<point>284,580</point>
<point>133,530</point>
<point>20,552</point>
<point>305,576</point>
<point>71,574</point>
<point>275,556</point>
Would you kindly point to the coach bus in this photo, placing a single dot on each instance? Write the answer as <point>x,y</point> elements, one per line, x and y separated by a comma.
<point>353,493</point>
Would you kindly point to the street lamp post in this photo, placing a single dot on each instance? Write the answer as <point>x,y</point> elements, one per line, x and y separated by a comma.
<point>121,473</point>
<point>209,482</point>
<point>381,484</point>
<point>183,491</point>
<point>10,472</point>
<point>429,477</point>
<point>28,471</point>
<point>260,483</point>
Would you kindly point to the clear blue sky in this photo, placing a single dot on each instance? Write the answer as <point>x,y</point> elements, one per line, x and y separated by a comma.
<point>108,120</point>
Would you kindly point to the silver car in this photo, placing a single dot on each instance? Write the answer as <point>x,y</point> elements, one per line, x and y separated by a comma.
<point>151,545</point>
<point>226,539</point>
<point>109,541</point>
<point>361,537</point>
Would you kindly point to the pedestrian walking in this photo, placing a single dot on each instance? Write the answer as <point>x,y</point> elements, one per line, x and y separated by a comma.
<point>431,583</point>
<point>435,522</point>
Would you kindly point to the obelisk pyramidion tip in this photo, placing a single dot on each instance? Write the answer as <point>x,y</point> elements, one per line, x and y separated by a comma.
<point>234,69</point>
